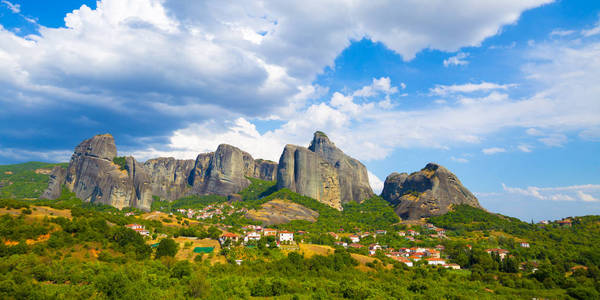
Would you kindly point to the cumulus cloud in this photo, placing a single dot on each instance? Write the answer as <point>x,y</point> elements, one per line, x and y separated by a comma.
<point>525,148</point>
<point>375,182</point>
<point>14,7</point>
<point>457,60</point>
<point>565,193</point>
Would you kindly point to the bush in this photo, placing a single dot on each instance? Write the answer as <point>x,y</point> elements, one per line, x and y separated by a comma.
<point>166,247</point>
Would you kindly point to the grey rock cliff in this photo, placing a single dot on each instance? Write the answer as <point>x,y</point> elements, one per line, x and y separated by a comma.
<point>431,191</point>
<point>307,173</point>
<point>225,172</point>
<point>265,170</point>
<point>352,174</point>
<point>169,177</point>
<point>57,179</point>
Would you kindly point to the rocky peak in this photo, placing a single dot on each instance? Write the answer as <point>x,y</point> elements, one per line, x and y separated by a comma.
<point>431,191</point>
<point>100,146</point>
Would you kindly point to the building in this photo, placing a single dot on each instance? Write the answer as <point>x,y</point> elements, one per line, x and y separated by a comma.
<point>269,232</point>
<point>373,248</point>
<point>228,236</point>
<point>500,252</point>
<point>134,226</point>
<point>354,239</point>
<point>436,261</point>
<point>401,233</point>
<point>381,232</point>
<point>340,243</point>
<point>356,246</point>
<point>252,236</point>
<point>286,236</point>
<point>565,223</point>
<point>524,244</point>
<point>334,235</point>
<point>452,266</point>
<point>440,231</point>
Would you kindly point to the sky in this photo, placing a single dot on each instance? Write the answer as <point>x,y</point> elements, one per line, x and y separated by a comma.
<point>505,94</point>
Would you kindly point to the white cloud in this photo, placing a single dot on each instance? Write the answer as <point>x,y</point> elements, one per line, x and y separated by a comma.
<point>560,32</point>
<point>565,193</point>
<point>14,7</point>
<point>525,148</point>
<point>28,155</point>
<point>459,159</point>
<point>493,150</point>
<point>469,88</point>
<point>375,182</point>
<point>457,60</point>
<point>592,31</point>
<point>586,197</point>
<point>381,85</point>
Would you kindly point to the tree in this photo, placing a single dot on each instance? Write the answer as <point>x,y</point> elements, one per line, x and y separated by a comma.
<point>166,247</point>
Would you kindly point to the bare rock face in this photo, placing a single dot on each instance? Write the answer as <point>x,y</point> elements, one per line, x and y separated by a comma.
<point>352,174</point>
<point>431,191</point>
<point>323,172</point>
<point>307,173</point>
<point>169,177</point>
<point>57,179</point>
<point>226,172</point>
<point>280,212</point>
<point>94,177</point>
<point>265,170</point>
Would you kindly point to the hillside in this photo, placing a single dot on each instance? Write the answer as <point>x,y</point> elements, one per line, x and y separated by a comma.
<point>77,249</point>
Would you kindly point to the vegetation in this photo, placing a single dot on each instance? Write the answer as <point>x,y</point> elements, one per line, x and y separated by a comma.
<point>83,250</point>
<point>22,180</point>
<point>121,161</point>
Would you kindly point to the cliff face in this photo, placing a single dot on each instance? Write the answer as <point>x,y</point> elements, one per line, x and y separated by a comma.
<point>57,179</point>
<point>94,177</point>
<point>431,191</point>
<point>352,174</point>
<point>169,177</point>
<point>323,172</point>
<point>307,173</point>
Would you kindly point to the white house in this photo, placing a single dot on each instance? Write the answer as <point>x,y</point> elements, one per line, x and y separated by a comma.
<point>373,248</point>
<point>354,239</point>
<point>252,236</point>
<point>134,226</point>
<point>524,244</point>
<point>286,236</point>
<point>436,261</point>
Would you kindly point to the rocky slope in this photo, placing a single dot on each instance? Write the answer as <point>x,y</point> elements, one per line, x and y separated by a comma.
<point>323,172</point>
<point>94,177</point>
<point>279,212</point>
<point>431,191</point>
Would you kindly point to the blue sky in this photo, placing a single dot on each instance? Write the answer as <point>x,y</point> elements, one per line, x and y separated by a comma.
<point>504,94</point>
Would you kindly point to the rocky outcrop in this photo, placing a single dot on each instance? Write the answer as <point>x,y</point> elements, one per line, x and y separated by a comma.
<point>265,170</point>
<point>323,172</point>
<point>280,212</point>
<point>431,191</point>
<point>95,177</point>
<point>55,182</point>
<point>352,174</point>
<point>169,177</point>
<point>307,173</point>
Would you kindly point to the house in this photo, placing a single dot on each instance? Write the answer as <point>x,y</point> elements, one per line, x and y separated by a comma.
<point>436,261</point>
<point>286,236</point>
<point>410,238</point>
<point>452,266</point>
<point>429,226</point>
<point>440,231</point>
<point>401,233</point>
<point>407,262</point>
<point>440,247</point>
<point>412,232</point>
<point>334,235</point>
<point>269,232</point>
<point>354,239</point>
<point>365,234</point>
<point>228,236</point>
<point>356,246</point>
<point>340,243</point>
<point>381,232</point>
<point>373,248</point>
<point>134,226</point>
<point>252,236</point>
<point>524,244</point>
<point>433,253</point>
<point>500,252</point>
<point>565,223</point>
<point>415,258</point>
<point>129,214</point>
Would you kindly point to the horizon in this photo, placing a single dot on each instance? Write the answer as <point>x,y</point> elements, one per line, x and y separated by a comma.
<point>505,96</point>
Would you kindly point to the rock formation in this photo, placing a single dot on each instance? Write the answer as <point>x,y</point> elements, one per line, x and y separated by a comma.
<point>431,191</point>
<point>169,177</point>
<point>323,172</point>
<point>95,177</point>
<point>352,174</point>
<point>57,179</point>
<point>279,212</point>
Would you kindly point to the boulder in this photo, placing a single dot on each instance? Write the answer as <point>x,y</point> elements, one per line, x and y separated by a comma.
<point>431,191</point>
